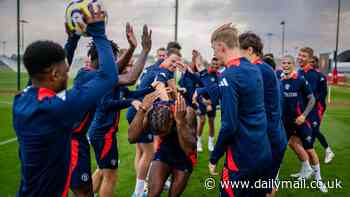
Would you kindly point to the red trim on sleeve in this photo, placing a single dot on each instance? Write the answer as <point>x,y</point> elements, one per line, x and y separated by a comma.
<point>226,182</point>
<point>74,155</point>
<point>230,161</point>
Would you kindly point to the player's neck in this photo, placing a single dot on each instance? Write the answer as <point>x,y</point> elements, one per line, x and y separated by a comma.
<point>254,58</point>
<point>232,54</point>
<point>42,84</point>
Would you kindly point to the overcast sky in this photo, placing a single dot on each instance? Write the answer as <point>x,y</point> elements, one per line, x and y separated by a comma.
<point>308,22</point>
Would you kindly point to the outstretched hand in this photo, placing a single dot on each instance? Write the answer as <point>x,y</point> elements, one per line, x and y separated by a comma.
<point>149,100</point>
<point>130,36</point>
<point>94,17</point>
<point>197,60</point>
<point>180,109</point>
<point>146,39</point>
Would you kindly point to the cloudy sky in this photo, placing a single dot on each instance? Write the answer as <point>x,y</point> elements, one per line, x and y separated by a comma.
<point>308,22</point>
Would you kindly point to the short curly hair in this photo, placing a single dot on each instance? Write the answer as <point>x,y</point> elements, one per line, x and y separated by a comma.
<point>41,55</point>
<point>92,52</point>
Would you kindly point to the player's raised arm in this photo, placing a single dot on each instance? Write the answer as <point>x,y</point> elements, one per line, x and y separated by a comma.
<point>137,126</point>
<point>130,36</point>
<point>131,77</point>
<point>186,133</point>
<point>80,99</point>
<point>71,45</point>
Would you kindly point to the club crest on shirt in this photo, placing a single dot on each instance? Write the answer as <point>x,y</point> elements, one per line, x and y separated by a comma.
<point>287,86</point>
<point>85,177</point>
<point>113,162</point>
<point>308,138</point>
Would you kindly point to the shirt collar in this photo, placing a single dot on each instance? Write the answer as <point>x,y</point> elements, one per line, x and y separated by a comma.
<point>45,92</point>
<point>233,62</point>
<point>257,61</point>
<point>293,75</point>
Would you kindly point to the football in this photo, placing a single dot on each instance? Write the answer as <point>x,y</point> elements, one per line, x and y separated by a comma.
<point>76,10</point>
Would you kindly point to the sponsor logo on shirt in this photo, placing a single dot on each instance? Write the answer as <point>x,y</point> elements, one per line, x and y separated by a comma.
<point>290,94</point>
<point>223,82</point>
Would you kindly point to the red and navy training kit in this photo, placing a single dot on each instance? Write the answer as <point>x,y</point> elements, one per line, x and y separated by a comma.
<point>314,78</point>
<point>322,92</point>
<point>43,121</point>
<point>272,102</point>
<point>209,78</point>
<point>169,151</point>
<point>105,125</point>
<point>296,91</point>
<point>242,135</point>
<point>190,81</point>
<point>80,148</point>
<point>152,73</point>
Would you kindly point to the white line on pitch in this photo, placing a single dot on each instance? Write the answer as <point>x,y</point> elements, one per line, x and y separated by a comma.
<point>5,102</point>
<point>8,141</point>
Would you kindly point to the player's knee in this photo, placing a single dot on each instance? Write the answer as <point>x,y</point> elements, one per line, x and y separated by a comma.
<point>202,120</point>
<point>110,175</point>
<point>175,191</point>
<point>83,191</point>
<point>155,190</point>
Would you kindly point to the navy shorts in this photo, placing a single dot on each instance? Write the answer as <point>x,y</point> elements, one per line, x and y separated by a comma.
<point>202,110</point>
<point>315,122</point>
<point>174,162</point>
<point>106,152</point>
<point>304,132</point>
<point>146,136</point>
<point>80,163</point>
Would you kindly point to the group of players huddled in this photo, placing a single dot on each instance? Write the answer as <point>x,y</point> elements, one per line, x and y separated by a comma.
<point>262,110</point>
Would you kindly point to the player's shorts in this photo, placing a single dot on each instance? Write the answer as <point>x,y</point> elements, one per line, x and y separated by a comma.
<point>315,121</point>
<point>232,181</point>
<point>146,136</point>
<point>106,152</point>
<point>304,132</point>
<point>174,162</point>
<point>202,110</point>
<point>80,163</point>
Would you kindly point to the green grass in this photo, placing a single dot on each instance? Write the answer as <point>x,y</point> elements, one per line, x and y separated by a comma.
<point>335,127</point>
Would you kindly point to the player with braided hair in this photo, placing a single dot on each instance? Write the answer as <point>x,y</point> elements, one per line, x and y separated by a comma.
<point>176,150</point>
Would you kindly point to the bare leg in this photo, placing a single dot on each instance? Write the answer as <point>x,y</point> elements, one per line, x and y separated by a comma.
<point>108,182</point>
<point>83,191</point>
<point>200,125</point>
<point>159,172</point>
<point>178,185</point>
<point>138,153</point>
<point>145,160</point>
<point>96,180</point>
<point>211,121</point>
<point>296,145</point>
